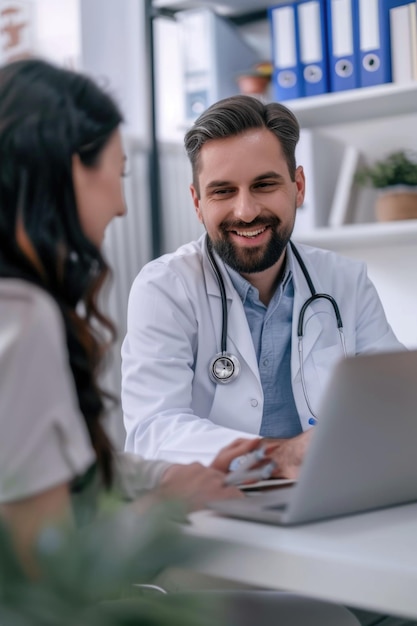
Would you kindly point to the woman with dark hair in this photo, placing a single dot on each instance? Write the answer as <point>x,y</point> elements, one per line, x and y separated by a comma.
<point>62,162</point>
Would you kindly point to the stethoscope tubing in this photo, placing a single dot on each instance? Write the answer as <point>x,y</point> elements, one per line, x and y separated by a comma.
<point>234,363</point>
<point>220,281</point>
<point>314,296</point>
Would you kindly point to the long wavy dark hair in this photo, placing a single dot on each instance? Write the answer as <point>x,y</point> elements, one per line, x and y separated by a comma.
<point>47,115</point>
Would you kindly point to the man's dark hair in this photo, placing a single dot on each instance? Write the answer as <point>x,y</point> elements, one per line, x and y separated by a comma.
<point>235,115</point>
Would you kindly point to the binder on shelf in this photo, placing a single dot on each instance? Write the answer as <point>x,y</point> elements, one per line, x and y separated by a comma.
<point>341,210</point>
<point>213,52</point>
<point>321,157</point>
<point>343,44</point>
<point>403,30</point>
<point>287,77</point>
<point>312,31</point>
<point>375,40</point>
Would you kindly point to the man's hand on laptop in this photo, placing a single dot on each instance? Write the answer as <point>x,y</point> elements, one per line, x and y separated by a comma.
<point>236,449</point>
<point>245,461</point>
<point>288,454</point>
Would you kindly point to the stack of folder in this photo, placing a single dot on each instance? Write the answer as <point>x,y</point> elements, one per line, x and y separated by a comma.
<point>320,46</point>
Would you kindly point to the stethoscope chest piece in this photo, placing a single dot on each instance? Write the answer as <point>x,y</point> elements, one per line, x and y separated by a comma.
<point>224,368</point>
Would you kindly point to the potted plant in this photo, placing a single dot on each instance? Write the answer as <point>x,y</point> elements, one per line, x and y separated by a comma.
<point>395,178</point>
<point>255,81</point>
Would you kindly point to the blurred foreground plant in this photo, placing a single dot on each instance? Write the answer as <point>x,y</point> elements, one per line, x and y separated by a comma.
<point>88,575</point>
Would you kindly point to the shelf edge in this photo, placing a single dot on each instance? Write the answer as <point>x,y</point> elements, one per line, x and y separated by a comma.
<point>359,235</point>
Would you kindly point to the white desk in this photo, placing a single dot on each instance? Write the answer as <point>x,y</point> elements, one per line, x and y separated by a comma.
<point>368,561</point>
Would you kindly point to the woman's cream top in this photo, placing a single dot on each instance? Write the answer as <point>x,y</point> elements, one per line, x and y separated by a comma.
<point>43,437</point>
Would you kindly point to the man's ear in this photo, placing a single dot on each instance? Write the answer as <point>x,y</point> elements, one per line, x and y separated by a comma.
<point>301,185</point>
<point>196,202</point>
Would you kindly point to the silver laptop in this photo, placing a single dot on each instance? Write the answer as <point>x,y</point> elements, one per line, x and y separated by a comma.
<point>363,454</point>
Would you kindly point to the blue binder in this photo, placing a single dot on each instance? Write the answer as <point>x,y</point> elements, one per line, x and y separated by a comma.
<point>312,41</point>
<point>287,77</point>
<point>375,40</point>
<point>343,44</point>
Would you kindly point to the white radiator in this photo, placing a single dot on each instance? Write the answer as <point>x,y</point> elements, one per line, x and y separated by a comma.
<point>128,243</point>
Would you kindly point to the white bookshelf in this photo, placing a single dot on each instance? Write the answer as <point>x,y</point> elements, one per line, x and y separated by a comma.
<point>366,103</point>
<point>369,236</point>
<point>222,7</point>
<point>376,121</point>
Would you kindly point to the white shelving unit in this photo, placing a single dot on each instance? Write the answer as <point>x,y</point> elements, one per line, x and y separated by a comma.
<point>363,104</point>
<point>358,236</point>
<point>222,7</point>
<point>376,120</point>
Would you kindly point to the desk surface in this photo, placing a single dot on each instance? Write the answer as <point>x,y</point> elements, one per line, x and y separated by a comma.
<point>368,561</point>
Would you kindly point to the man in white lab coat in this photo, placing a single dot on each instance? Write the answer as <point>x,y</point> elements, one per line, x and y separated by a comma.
<point>246,189</point>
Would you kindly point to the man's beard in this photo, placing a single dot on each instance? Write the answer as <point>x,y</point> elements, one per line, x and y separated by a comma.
<point>253,259</point>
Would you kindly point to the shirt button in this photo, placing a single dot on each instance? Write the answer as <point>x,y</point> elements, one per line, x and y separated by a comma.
<point>266,362</point>
<point>254,402</point>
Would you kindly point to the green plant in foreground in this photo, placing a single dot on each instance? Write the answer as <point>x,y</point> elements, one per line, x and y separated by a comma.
<point>88,575</point>
<point>398,168</point>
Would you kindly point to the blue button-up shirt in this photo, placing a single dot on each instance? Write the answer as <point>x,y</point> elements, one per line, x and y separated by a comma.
<point>271,333</point>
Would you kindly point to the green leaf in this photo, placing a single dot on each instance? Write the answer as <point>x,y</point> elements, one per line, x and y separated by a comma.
<point>86,573</point>
<point>398,168</point>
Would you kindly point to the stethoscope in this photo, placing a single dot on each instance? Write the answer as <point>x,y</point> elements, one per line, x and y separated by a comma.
<point>224,367</point>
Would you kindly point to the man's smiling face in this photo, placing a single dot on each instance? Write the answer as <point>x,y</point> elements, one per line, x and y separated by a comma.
<point>247,200</point>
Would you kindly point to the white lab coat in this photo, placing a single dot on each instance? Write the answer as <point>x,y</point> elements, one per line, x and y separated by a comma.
<point>172,410</point>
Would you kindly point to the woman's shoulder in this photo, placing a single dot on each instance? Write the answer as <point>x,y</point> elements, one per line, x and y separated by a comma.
<point>44,440</point>
<point>19,293</point>
<point>27,308</point>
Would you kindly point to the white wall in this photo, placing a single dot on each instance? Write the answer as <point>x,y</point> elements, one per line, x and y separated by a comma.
<point>47,28</point>
<point>393,270</point>
<point>168,81</point>
<point>113,43</point>
<point>57,31</point>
